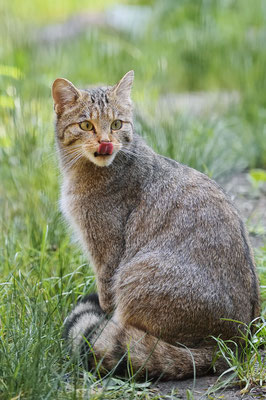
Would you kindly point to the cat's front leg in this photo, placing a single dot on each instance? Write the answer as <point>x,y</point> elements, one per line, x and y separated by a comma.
<point>105,291</point>
<point>106,263</point>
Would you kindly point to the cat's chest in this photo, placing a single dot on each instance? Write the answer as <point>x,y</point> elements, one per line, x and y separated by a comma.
<point>98,220</point>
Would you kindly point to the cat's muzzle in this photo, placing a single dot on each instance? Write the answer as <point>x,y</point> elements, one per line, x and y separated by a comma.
<point>104,149</point>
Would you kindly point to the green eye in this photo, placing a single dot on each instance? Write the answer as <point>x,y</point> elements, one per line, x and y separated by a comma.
<point>116,125</point>
<point>86,126</point>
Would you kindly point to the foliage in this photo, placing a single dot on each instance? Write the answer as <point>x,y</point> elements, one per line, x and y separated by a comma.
<point>186,45</point>
<point>244,357</point>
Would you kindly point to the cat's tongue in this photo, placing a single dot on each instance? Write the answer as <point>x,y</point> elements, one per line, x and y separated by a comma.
<point>105,148</point>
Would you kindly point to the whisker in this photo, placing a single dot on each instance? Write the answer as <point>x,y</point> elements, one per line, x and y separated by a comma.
<point>62,154</point>
<point>69,153</point>
<point>69,158</point>
<point>72,162</point>
<point>130,153</point>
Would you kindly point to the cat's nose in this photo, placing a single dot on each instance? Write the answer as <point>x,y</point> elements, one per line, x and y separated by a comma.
<point>104,141</point>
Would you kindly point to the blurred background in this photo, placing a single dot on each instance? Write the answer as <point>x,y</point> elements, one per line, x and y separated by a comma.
<point>199,72</point>
<point>200,98</point>
<point>199,90</point>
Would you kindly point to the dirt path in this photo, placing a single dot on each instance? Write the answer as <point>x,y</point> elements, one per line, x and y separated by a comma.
<point>252,207</point>
<point>179,390</point>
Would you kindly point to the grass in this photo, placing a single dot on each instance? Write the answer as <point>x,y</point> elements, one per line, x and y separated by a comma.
<point>246,361</point>
<point>198,46</point>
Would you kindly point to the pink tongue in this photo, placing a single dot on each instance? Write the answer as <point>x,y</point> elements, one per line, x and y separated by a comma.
<point>105,148</point>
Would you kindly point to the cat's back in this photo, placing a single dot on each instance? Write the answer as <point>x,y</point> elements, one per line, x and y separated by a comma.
<point>185,215</point>
<point>183,192</point>
<point>188,232</point>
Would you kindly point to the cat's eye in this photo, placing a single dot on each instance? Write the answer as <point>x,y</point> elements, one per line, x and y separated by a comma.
<point>86,126</point>
<point>116,125</point>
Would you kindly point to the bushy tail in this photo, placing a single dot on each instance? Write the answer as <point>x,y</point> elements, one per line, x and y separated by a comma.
<point>125,349</point>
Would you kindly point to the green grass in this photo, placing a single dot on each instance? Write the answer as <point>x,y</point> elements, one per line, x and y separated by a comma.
<point>205,45</point>
<point>246,362</point>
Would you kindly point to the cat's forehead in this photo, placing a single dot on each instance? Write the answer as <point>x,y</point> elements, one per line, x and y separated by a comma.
<point>96,103</point>
<point>99,102</point>
<point>98,95</point>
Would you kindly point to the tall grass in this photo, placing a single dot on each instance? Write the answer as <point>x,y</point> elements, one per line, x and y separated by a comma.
<point>244,357</point>
<point>193,46</point>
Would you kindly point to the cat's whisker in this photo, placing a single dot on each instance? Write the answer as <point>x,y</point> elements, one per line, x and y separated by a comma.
<point>74,155</point>
<point>70,159</point>
<point>55,151</point>
<point>71,153</point>
<point>130,153</point>
<point>69,150</point>
<point>65,152</point>
<point>72,162</point>
<point>127,152</point>
<point>68,156</point>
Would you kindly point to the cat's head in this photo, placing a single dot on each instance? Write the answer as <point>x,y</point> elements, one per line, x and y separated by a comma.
<point>94,124</point>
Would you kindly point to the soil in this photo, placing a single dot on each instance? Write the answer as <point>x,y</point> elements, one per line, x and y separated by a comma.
<point>179,390</point>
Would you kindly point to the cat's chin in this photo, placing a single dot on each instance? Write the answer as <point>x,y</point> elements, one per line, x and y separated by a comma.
<point>101,160</point>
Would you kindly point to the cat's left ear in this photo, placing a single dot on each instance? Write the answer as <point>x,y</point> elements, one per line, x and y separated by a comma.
<point>64,93</point>
<point>123,88</point>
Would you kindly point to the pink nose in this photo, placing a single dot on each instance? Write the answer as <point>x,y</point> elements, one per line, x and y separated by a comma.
<point>105,147</point>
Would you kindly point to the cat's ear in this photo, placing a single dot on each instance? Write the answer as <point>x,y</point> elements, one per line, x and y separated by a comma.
<point>123,88</point>
<point>64,92</point>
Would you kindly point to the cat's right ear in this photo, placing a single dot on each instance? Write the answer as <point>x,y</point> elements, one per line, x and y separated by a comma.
<point>123,88</point>
<point>64,93</point>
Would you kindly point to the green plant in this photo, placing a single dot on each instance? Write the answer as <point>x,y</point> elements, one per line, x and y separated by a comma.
<point>244,357</point>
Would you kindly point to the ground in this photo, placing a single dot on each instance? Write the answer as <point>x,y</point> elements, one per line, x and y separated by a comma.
<point>204,384</point>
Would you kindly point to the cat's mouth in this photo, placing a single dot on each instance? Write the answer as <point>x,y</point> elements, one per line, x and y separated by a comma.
<point>105,149</point>
<point>100,155</point>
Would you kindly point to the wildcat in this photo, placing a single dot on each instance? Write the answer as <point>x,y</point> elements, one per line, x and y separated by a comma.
<point>169,250</point>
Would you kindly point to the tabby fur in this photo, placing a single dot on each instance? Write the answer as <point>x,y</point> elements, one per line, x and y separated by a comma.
<point>170,253</point>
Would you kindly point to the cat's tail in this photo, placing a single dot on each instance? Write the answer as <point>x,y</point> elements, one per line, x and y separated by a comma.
<point>105,344</point>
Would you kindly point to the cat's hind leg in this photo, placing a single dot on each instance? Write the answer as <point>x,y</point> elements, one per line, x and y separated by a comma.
<point>124,349</point>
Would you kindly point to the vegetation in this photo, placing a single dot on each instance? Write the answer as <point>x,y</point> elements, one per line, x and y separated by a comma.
<point>183,46</point>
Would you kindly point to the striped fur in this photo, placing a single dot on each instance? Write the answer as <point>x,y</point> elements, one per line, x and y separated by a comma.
<point>87,313</point>
<point>171,256</point>
<point>99,341</point>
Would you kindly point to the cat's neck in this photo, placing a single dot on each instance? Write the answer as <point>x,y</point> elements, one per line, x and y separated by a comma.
<point>132,165</point>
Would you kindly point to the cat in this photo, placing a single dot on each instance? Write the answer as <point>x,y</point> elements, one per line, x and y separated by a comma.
<point>170,253</point>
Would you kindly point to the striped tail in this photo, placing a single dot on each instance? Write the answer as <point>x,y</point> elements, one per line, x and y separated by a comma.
<point>103,343</point>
